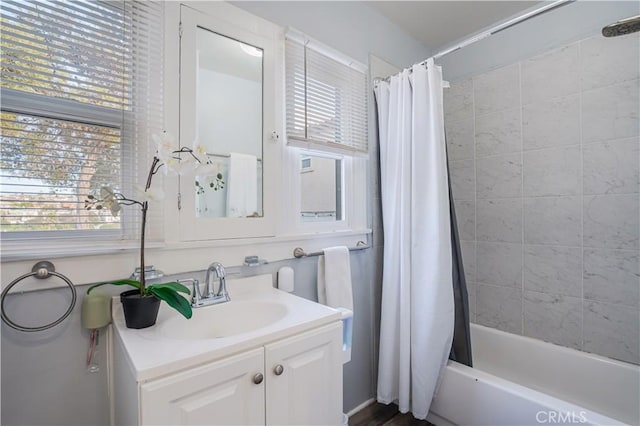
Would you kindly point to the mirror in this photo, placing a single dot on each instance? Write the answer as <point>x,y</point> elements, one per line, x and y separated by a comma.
<point>229,99</point>
<point>320,189</point>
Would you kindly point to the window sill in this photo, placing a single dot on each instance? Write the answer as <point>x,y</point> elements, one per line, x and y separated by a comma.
<point>91,262</point>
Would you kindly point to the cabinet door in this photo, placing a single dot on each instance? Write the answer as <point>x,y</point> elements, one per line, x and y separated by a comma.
<point>221,393</point>
<point>230,87</point>
<point>308,388</point>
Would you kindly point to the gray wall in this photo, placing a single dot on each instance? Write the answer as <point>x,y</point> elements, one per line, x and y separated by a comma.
<point>544,161</point>
<point>43,374</point>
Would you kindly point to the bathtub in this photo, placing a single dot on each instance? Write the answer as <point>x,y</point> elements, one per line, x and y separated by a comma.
<point>517,380</point>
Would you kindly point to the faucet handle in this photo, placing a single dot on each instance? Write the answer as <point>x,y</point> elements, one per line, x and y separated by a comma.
<point>196,297</point>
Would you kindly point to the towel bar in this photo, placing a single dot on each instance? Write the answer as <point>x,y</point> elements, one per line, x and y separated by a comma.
<point>298,252</point>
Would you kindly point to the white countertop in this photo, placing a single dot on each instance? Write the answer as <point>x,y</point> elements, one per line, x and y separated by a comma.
<point>152,354</point>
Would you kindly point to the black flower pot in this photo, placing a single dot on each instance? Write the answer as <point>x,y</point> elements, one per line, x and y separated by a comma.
<point>139,311</point>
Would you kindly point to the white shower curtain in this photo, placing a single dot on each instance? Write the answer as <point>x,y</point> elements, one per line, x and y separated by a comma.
<point>417,313</point>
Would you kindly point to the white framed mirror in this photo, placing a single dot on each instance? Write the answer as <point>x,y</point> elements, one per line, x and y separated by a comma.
<point>228,104</point>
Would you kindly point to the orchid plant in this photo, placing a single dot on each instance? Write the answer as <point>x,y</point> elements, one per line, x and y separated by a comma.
<point>179,161</point>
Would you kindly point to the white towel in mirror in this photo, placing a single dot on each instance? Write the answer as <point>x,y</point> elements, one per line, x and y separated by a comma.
<point>242,185</point>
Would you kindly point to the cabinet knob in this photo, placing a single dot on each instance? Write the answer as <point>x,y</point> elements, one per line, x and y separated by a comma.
<point>258,378</point>
<point>278,369</point>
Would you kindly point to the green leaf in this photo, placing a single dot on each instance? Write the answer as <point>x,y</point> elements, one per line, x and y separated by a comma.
<point>91,197</point>
<point>176,286</point>
<point>173,299</point>
<point>132,283</point>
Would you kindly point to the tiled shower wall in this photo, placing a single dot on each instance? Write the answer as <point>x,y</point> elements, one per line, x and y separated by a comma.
<point>544,161</point>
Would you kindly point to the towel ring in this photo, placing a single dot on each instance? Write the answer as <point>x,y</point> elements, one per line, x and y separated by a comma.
<point>40,270</point>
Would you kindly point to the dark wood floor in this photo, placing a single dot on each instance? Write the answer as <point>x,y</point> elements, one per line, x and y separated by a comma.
<point>378,414</point>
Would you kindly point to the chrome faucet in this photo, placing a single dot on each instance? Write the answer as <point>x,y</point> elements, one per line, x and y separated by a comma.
<point>209,297</point>
<point>222,295</point>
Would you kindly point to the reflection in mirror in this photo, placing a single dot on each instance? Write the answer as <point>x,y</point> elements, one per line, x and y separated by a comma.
<point>320,189</point>
<point>229,126</point>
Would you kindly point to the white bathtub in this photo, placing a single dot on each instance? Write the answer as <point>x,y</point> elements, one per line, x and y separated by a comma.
<point>522,381</point>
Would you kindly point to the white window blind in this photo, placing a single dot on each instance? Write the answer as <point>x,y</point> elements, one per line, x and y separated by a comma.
<point>81,94</point>
<point>326,99</point>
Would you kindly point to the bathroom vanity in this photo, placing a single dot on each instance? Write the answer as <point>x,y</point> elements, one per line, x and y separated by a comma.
<point>264,358</point>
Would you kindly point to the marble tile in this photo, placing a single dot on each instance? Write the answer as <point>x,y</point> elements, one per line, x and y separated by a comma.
<point>612,276</point>
<point>552,74</point>
<point>612,330</point>
<point>611,112</point>
<point>458,100</point>
<point>553,318</point>
<point>463,179</point>
<point>611,167</point>
<point>553,220</point>
<point>499,264</point>
<point>499,307</point>
<point>466,218</point>
<point>471,292</point>
<point>611,221</point>
<point>499,176</point>
<point>551,123</point>
<point>499,220</point>
<point>498,133</point>
<point>497,90</point>
<point>606,61</point>
<point>459,136</point>
<point>552,171</point>
<point>468,249</point>
<point>553,269</point>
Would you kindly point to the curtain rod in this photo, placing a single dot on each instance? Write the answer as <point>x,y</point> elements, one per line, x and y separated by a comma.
<point>494,30</point>
<point>501,27</point>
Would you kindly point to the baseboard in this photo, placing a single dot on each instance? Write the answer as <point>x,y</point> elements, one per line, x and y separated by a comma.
<point>435,419</point>
<point>361,406</point>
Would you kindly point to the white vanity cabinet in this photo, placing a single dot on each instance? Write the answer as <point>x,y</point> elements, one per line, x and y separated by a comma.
<point>295,380</point>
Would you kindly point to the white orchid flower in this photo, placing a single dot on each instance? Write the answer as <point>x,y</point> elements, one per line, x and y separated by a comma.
<point>109,200</point>
<point>207,169</point>
<point>200,152</point>
<point>106,193</point>
<point>165,146</point>
<point>151,194</point>
<point>181,166</point>
<point>115,207</point>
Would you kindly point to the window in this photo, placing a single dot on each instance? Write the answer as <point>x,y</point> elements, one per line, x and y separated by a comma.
<point>326,98</point>
<point>81,93</point>
<point>321,189</point>
<point>326,115</point>
<point>305,164</point>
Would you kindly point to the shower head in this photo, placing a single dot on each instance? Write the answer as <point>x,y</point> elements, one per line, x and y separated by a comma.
<point>622,27</point>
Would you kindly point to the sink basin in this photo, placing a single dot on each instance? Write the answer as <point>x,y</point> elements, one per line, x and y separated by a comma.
<point>223,320</point>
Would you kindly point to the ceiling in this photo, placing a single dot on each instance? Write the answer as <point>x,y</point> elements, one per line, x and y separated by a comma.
<point>437,24</point>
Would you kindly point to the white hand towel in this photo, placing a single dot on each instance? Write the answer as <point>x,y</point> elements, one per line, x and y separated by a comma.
<point>242,185</point>
<point>334,278</point>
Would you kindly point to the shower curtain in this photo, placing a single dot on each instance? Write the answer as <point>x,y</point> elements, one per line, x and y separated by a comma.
<point>417,312</point>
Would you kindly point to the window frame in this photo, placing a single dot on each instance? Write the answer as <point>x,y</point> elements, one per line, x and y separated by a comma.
<point>354,163</point>
<point>133,158</point>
